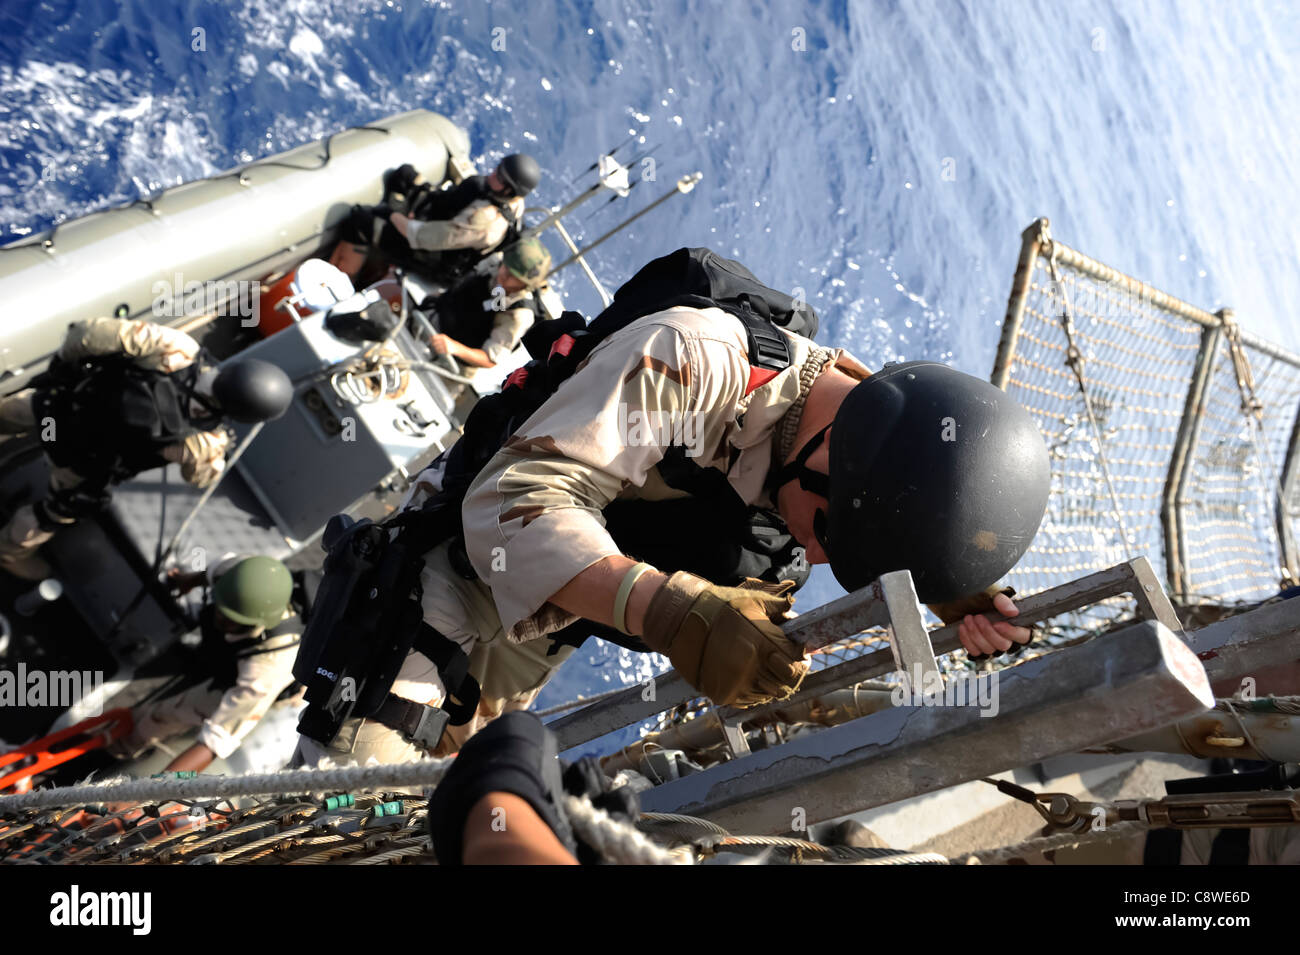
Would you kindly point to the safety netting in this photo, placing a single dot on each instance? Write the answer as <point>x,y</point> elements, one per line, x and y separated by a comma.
<point>1169,429</point>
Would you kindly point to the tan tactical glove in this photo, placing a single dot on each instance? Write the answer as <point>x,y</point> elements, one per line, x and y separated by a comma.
<point>953,611</point>
<point>725,641</point>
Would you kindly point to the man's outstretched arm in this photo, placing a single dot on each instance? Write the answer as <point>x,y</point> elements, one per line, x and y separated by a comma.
<point>592,593</point>
<point>534,529</point>
<point>153,346</point>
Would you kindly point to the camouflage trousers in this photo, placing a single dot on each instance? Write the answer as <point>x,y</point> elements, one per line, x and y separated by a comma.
<point>510,675</point>
<point>167,718</point>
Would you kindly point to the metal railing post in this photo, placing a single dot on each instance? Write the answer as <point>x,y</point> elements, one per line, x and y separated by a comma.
<point>1176,481</point>
<point>1288,488</point>
<point>1031,242</point>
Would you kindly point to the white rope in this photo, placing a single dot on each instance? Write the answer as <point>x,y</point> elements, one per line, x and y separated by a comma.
<point>615,841</point>
<point>1245,731</point>
<point>425,772</point>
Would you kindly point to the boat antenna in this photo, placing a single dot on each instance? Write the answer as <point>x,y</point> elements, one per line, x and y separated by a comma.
<point>683,186</point>
<point>594,166</point>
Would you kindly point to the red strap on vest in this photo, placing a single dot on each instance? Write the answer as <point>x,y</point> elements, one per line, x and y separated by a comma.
<point>563,345</point>
<point>758,377</point>
<point>516,378</point>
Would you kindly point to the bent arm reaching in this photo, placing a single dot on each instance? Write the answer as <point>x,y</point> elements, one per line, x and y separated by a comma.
<point>153,346</point>
<point>507,331</point>
<point>533,516</point>
<point>261,678</point>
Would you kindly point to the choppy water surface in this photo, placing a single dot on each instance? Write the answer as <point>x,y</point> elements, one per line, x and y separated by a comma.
<point>883,157</point>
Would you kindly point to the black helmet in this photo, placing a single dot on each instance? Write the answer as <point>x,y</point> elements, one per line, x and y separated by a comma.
<point>934,471</point>
<point>519,173</point>
<point>252,390</point>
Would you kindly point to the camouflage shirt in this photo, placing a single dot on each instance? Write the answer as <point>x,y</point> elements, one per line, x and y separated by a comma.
<point>480,225</point>
<point>533,517</point>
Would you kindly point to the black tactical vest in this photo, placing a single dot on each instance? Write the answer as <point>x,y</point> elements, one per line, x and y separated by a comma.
<point>112,418</point>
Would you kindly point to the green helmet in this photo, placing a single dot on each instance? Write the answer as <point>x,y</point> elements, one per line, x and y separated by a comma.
<point>528,261</point>
<point>255,592</point>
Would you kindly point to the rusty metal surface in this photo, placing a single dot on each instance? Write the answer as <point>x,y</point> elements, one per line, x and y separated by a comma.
<point>1248,642</point>
<point>1223,810</point>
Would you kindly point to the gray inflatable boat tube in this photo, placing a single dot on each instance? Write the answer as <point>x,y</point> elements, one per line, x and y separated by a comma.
<point>240,225</point>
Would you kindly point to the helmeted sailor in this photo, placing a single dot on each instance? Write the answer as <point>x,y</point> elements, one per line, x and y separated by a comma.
<point>121,397</point>
<point>249,628</point>
<point>440,233</point>
<point>916,466</point>
<point>483,317</point>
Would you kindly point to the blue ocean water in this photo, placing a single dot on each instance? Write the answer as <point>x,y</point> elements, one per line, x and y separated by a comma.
<point>881,156</point>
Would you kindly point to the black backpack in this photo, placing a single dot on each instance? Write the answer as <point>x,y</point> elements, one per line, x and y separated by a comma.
<point>115,418</point>
<point>698,278</point>
<point>368,610</point>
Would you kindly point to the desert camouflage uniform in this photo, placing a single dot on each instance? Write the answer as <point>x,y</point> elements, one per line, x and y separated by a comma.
<point>533,517</point>
<point>202,456</point>
<point>223,715</point>
<point>480,225</point>
<point>514,316</point>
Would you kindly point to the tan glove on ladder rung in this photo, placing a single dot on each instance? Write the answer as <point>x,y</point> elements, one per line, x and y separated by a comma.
<point>726,641</point>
